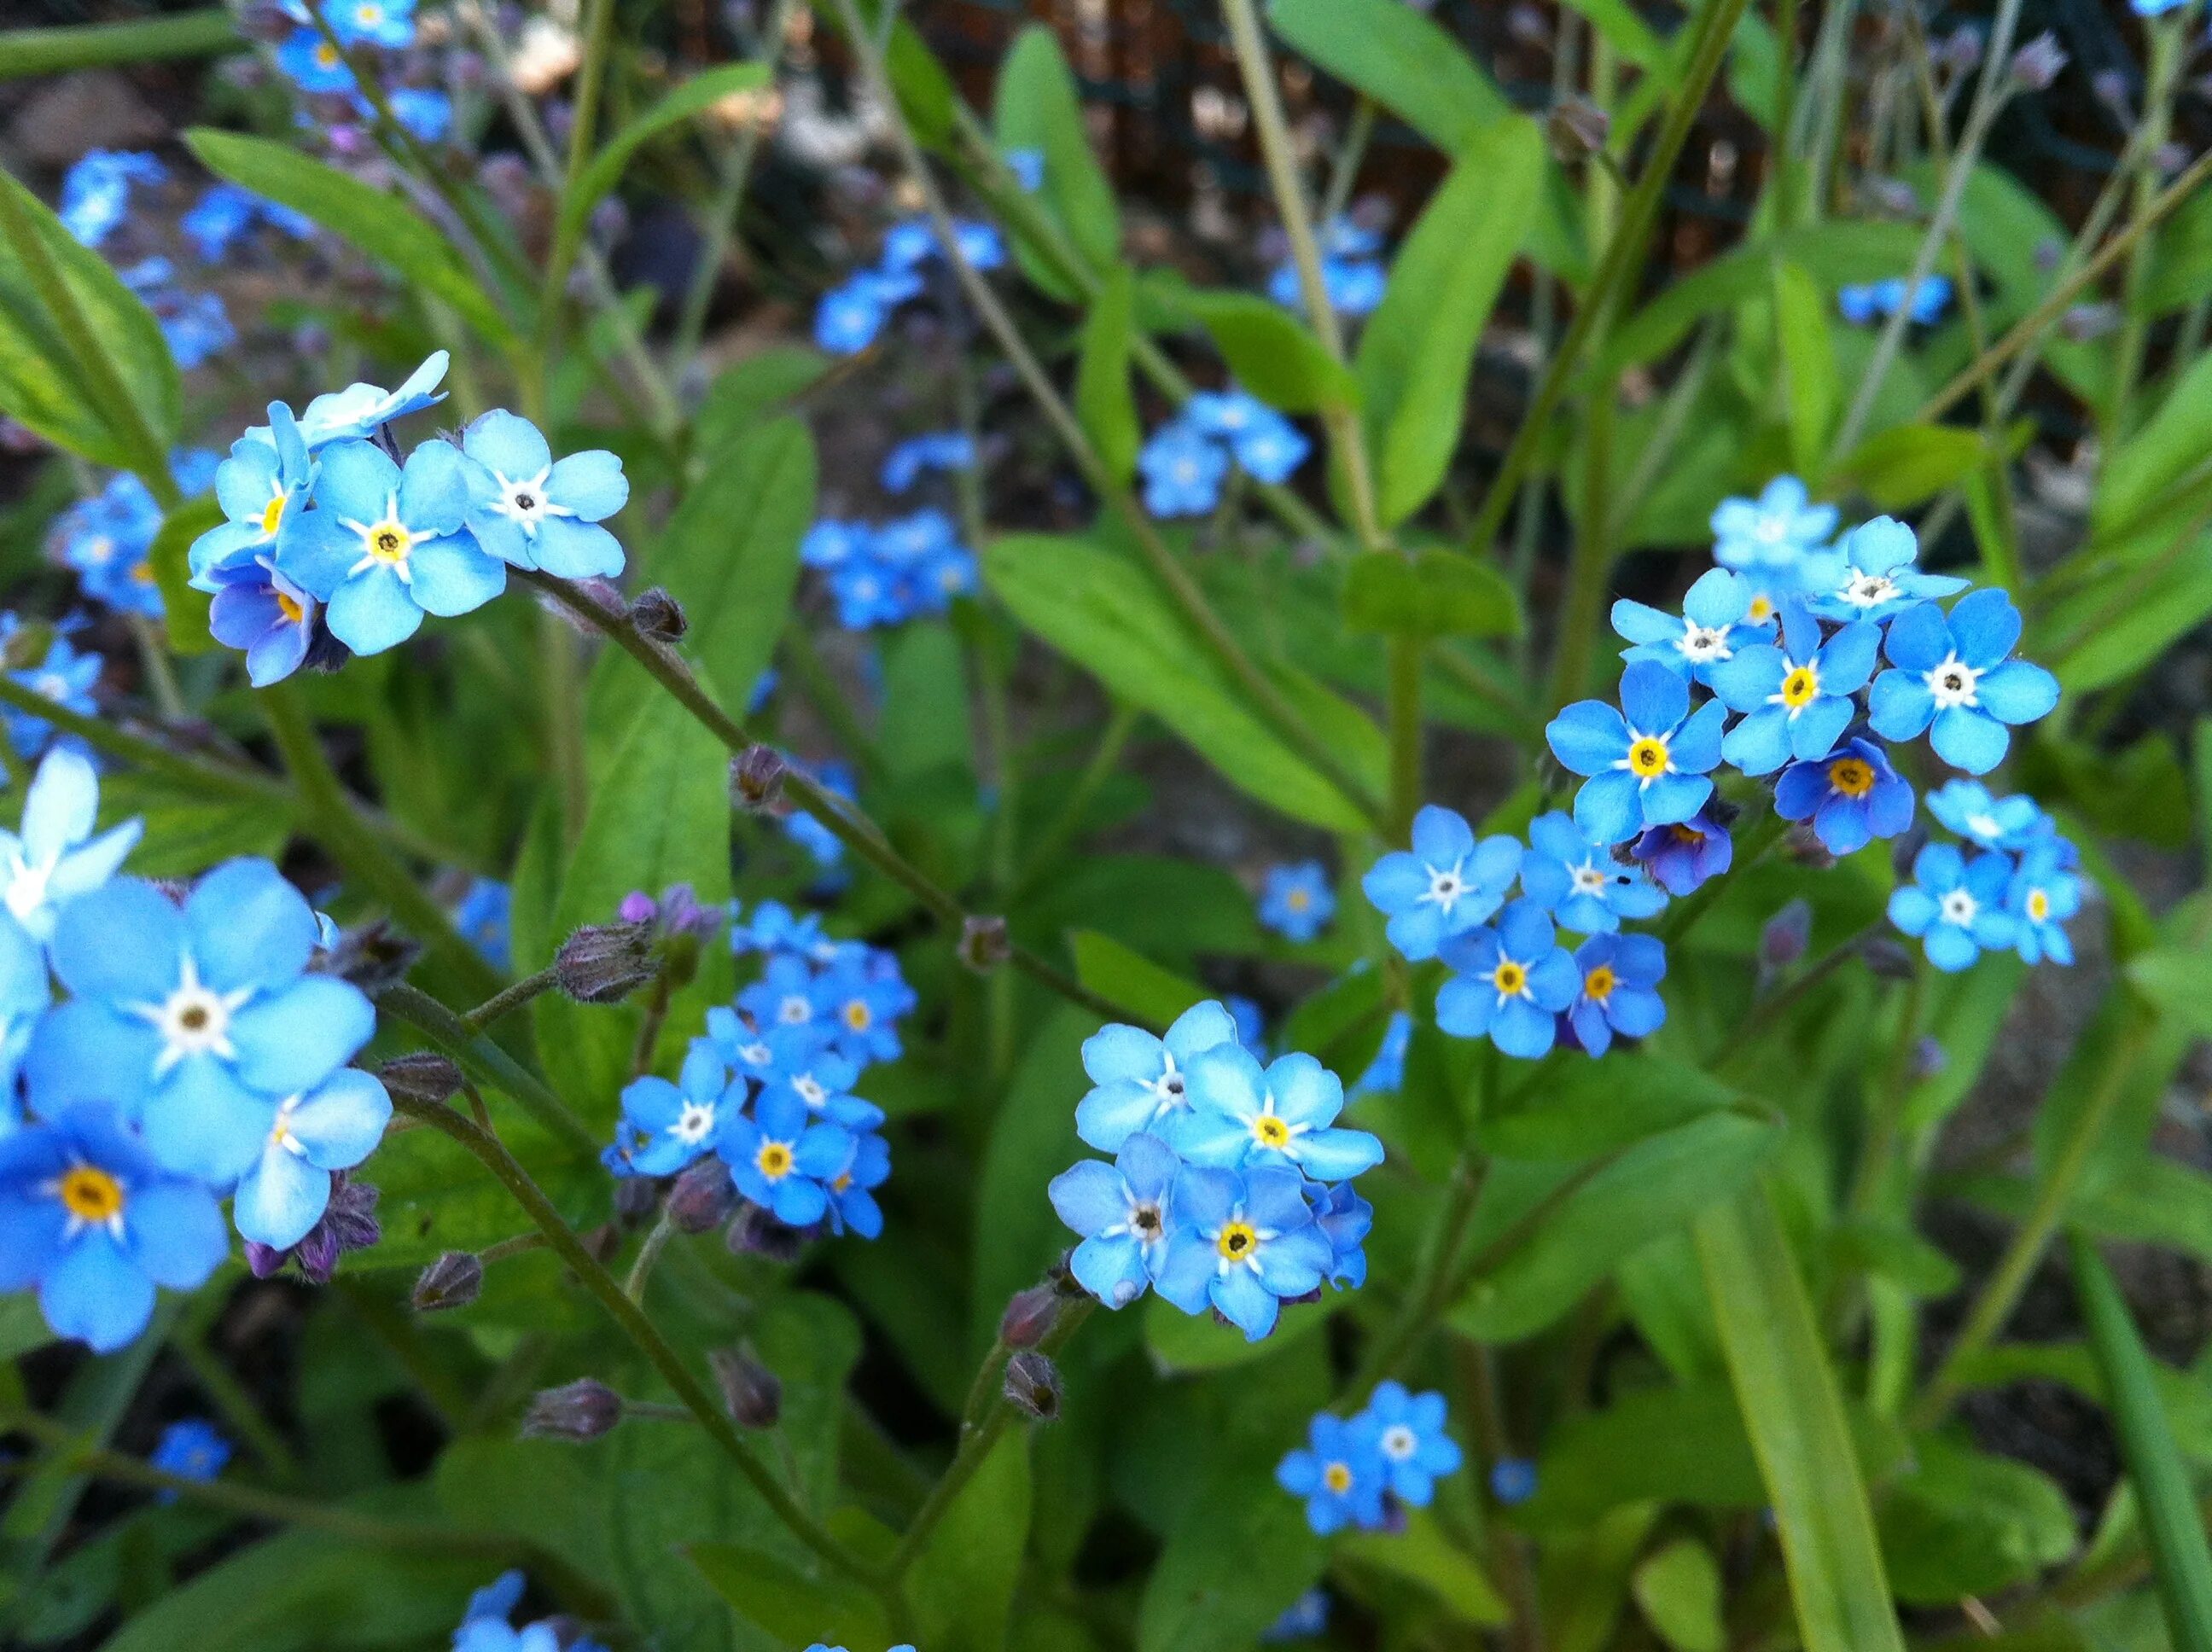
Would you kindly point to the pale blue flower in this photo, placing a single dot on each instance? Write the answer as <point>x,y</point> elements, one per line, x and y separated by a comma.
<point>1139,1080</point>
<point>1871,575</point>
<point>533,512</point>
<point>1796,698</point>
<point>1242,1243</point>
<point>57,857</point>
<point>1774,532</point>
<point>1713,626</point>
<point>1241,1116</point>
<point>1955,681</point>
<point>1647,762</point>
<point>1956,909</point>
<point>1446,885</point>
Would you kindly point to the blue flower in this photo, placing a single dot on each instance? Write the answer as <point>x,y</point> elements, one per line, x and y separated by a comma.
<point>1851,797</point>
<point>783,1159</point>
<point>1956,682</point>
<point>360,411</point>
<point>774,927</point>
<point>864,996</point>
<point>669,1125</point>
<point>1447,885</point>
<point>1512,1480</point>
<point>1798,698</point>
<point>2043,894</point>
<point>1618,976</point>
<point>1682,856</point>
<point>1183,469</point>
<point>1872,574</point>
<point>195,325</point>
<point>1241,1244</point>
<point>327,1127</point>
<point>385,546</point>
<point>784,996</point>
<point>1304,1619</point>
<point>851,1190</point>
<point>852,314</point>
<point>1774,532</point>
<point>197,1024</point>
<point>530,511</point>
<point>1240,1116</point>
<point>940,450</point>
<point>193,1449</point>
<point>1386,1073</point>
<point>1251,1023</point>
<point>1866,301</point>
<point>1123,1212</point>
<point>314,64</point>
<point>1296,900</point>
<point>483,917</point>
<point>821,844</point>
<point>425,112</point>
<point>1712,627</point>
<point>259,610</point>
<point>831,543</point>
<point>1344,1220</point>
<point>1339,1473</point>
<point>1956,909</point>
<point>263,488</point>
<point>1139,1081</point>
<point>106,538</point>
<point>1350,274</point>
<point>1991,823</point>
<point>64,676</point>
<point>1410,1438</point>
<point>1647,762</point>
<point>1265,443</point>
<point>1510,982</point>
<point>57,857</point>
<point>1581,885</point>
<point>387,23</point>
<point>96,191</point>
<point>484,1626</point>
<point>89,1218</point>
<point>803,1063</point>
<point>1028,166</point>
<point>225,213</point>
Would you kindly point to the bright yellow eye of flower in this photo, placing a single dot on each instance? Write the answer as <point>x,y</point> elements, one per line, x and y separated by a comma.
<point>1270,1131</point>
<point>1761,611</point>
<point>1853,776</point>
<point>1598,985</point>
<point>1801,688</point>
<point>390,543</point>
<point>773,1160</point>
<point>1511,978</point>
<point>1338,1478</point>
<point>1237,1240</point>
<point>2038,905</point>
<point>1647,757</point>
<point>271,514</point>
<point>91,1195</point>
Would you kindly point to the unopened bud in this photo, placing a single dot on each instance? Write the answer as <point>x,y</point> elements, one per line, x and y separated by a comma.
<point>2036,64</point>
<point>1529,25</point>
<point>1961,53</point>
<point>754,1231</point>
<point>2169,158</point>
<point>424,1076</point>
<point>756,778</point>
<point>1033,1386</point>
<point>984,945</point>
<point>455,1280</point>
<point>373,956</point>
<point>751,1391</point>
<point>1577,127</point>
<point>636,1198</point>
<point>1029,1316</point>
<point>1891,195</point>
<point>1783,940</point>
<point>1061,1276</point>
<point>659,615</point>
<point>348,1223</point>
<point>2050,252</point>
<point>1885,958</point>
<point>2085,323</point>
<point>605,963</point>
<point>1929,1058</point>
<point>638,908</point>
<point>583,1410</point>
<point>2110,88</point>
<point>703,1197</point>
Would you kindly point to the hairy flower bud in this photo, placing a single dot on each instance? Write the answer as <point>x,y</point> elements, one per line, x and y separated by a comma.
<point>2036,64</point>
<point>636,1198</point>
<point>605,963</point>
<point>1029,1316</point>
<point>756,778</point>
<point>751,1391</point>
<point>754,1231</point>
<point>659,615</point>
<point>702,1197</point>
<point>348,1223</point>
<point>2085,323</point>
<point>1577,127</point>
<point>1033,1386</point>
<point>583,1410</point>
<point>422,1076</point>
<point>455,1280</point>
<point>1782,942</point>
<point>983,944</point>
<point>1961,53</point>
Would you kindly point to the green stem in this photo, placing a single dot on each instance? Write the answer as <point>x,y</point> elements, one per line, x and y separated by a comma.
<point>1344,170</point>
<point>509,1000</point>
<point>2166,57</point>
<point>656,1240</point>
<point>591,75</point>
<point>28,52</point>
<point>486,1062</point>
<point>1406,656</point>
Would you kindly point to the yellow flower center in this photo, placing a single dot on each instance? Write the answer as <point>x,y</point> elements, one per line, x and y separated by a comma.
<point>1647,757</point>
<point>91,1195</point>
<point>1337,1477</point>
<point>326,56</point>
<point>1511,978</point>
<point>1297,900</point>
<point>390,543</point>
<point>1761,611</point>
<point>2038,905</point>
<point>1270,1131</point>
<point>1853,776</point>
<point>1689,835</point>
<point>271,514</point>
<point>773,1160</point>
<point>858,1016</point>
<point>1598,985</point>
<point>1237,1240</point>
<point>1801,688</point>
<point>289,608</point>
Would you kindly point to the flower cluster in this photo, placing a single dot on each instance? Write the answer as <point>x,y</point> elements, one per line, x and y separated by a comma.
<point>1352,271</point>
<point>106,538</point>
<point>1230,1187</point>
<point>888,572</point>
<point>195,1054</point>
<point>1360,1471</point>
<point>1186,460</point>
<point>852,313</point>
<point>319,69</point>
<point>2021,885</point>
<point>1871,301</point>
<point>64,675</point>
<point>485,1625</point>
<point>329,536</point>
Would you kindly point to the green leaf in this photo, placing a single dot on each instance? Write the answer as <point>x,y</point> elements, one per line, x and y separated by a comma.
<point>2169,447</point>
<point>1240,1554</point>
<point>1199,1342</point>
<point>1907,464</point>
<point>2179,270</point>
<point>2179,980</point>
<point>184,609</point>
<point>1032,1140</point>
<point>1437,593</point>
<point>1964,1523</point>
<point>1628,34</point>
<point>1593,1107</point>
<point>786,1604</point>
<point>963,1583</point>
<point>743,395</point>
<point>1422,1554</point>
<point>41,384</point>
<point>1678,1589</point>
<point>1103,400</point>
<point>1795,1419</point>
<point>1418,349</point>
<point>1272,354</point>
<point>1103,613</point>
<point>187,833</point>
<point>1133,981</point>
<point>605,170</point>
<point>383,226</point>
<point>2181,1559</point>
<point>1808,363</point>
<point>1038,108</point>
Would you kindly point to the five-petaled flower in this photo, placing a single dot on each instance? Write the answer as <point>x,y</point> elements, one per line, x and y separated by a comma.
<point>1581,885</point>
<point>1714,626</point>
<point>1647,761</point>
<point>1339,1473</point>
<point>1243,1242</point>
<point>1774,530</point>
<point>1796,698</point>
<point>1871,575</point>
<point>1296,900</point>
<point>1447,885</point>
<point>1122,1210</point>
<point>1139,1080</point>
<point>1851,798</point>
<point>1955,907</point>
<point>1284,1116</point>
<point>1509,983</point>
<point>1954,679</point>
<point>1620,974</point>
<point>530,510</point>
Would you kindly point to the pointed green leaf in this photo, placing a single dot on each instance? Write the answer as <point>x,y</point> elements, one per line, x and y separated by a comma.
<point>1103,400</point>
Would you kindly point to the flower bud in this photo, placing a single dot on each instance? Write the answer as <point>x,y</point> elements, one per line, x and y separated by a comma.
<point>2085,323</point>
<point>756,778</point>
<point>264,20</point>
<point>2110,88</point>
<point>983,944</point>
<point>348,1223</point>
<point>455,1280</point>
<point>702,1197</point>
<point>754,1231</point>
<point>1782,941</point>
<point>1029,1316</point>
<point>1961,53</point>
<point>605,963</point>
<point>1891,195</point>
<point>1512,1480</point>
<point>1577,127</point>
<point>423,1075</point>
<point>1929,1058</point>
<point>373,956</point>
<point>1906,850</point>
<point>583,1410</point>
<point>1061,1276</point>
<point>659,615</point>
<point>1885,959</point>
<point>1033,1386</point>
<point>638,908</point>
<point>751,1391</point>
<point>636,1197</point>
<point>2036,64</point>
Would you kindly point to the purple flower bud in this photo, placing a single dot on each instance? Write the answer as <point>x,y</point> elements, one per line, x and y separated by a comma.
<point>2048,254</point>
<point>659,615</point>
<point>635,1197</point>
<point>2036,64</point>
<point>1577,127</point>
<point>2110,87</point>
<point>348,1223</point>
<point>754,1231</point>
<point>1929,1058</point>
<point>1029,1316</point>
<point>1961,53</point>
<point>751,1391</point>
<point>455,1280</point>
<point>422,1076</point>
<point>1032,1386</point>
<point>1527,25</point>
<point>605,963</point>
<point>984,945</point>
<point>1782,941</point>
<point>1892,195</point>
<point>756,778</point>
<point>702,1197</point>
<point>638,908</point>
<point>2170,158</point>
<point>583,1410</point>
<point>373,956</point>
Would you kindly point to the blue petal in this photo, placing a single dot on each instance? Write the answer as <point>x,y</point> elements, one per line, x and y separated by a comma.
<point>1115,1051</point>
<point>590,483</point>
<point>1969,740</point>
<point>1918,639</point>
<point>1244,1302</point>
<point>293,1040</point>
<point>124,941</point>
<point>250,928</point>
<point>1337,1155</point>
<point>1590,736</point>
<point>1609,807</point>
<point>1441,836</point>
<point>508,443</point>
<point>96,1294</point>
<point>280,1199</point>
<point>454,576</point>
<point>1745,679</point>
<point>1759,744</point>
<point>1112,1270</point>
<point>1899,705</point>
<point>1673,799</point>
<point>1653,699</point>
<point>370,611</point>
<point>1697,745</point>
<point>2018,692</point>
<point>1522,1029</point>
<point>1984,627</point>
<point>1813,735</point>
<point>1848,656</point>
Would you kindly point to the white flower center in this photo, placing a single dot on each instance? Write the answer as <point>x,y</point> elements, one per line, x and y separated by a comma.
<point>795,1011</point>
<point>1960,908</point>
<point>811,1091</point>
<point>388,542</point>
<point>756,1054</point>
<point>193,1020</point>
<point>1446,885</point>
<point>1705,642</point>
<point>27,879</point>
<point>1953,684</point>
<point>1399,1442</point>
<point>1770,529</point>
<point>1589,879</point>
<point>693,1123</point>
<point>1168,1087</point>
<point>1864,589</point>
<point>280,1129</point>
<point>523,501</point>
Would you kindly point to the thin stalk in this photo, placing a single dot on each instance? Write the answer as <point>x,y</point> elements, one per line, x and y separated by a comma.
<point>2166,56</point>
<point>1785,99</point>
<point>633,1322</point>
<point>656,1240</point>
<point>486,1062</point>
<point>1344,170</point>
<point>506,1001</point>
<point>1405,654</point>
<point>590,75</point>
<point>1432,1290</point>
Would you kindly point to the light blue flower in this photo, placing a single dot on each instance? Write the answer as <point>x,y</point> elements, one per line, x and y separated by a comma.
<point>387,23</point>
<point>1955,681</point>
<point>194,1023</point>
<point>1296,900</point>
<point>1796,698</point>
<point>483,917</point>
<point>1304,1620</point>
<point>259,610</point>
<point>1620,974</point>
<point>327,1127</point>
<point>385,546</point>
<point>225,213</point>
<point>1580,883</point>
<point>863,998</point>
<point>1264,442</point>
<point>1773,532</point>
<point>89,1218</point>
<point>1851,796</point>
<point>2043,894</point>
<point>1139,1081</point>
<point>360,411</point>
<point>1028,166</point>
<point>805,1062</point>
<point>195,325</point>
<point>671,1124</point>
<point>1183,469</point>
<point>1990,822</point>
<point>1956,909</point>
<point>1241,1244</point>
<point>1647,762</point>
<point>831,543</point>
<point>484,1626</point>
<point>105,539</point>
<point>1872,574</point>
<point>785,995</point>
<point>1124,1214</point>
<point>530,511</point>
<point>1386,1073</point>
<point>314,64</point>
<point>822,845</point>
<point>852,1189</point>
<point>96,191</point>
<point>1344,1220</point>
<point>1510,982</point>
<point>1241,1116</point>
<point>1711,628</point>
<point>191,1449</point>
<point>852,314</point>
<point>774,927</point>
<point>263,486</point>
<point>1340,1473</point>
<point>64,676</point>
<point>782,1159</point>
<point>1410,1438</point>
<point>426,113</point>
<point>1865,303</point>
<point>1447,885</point>
<point>57,857</point>
<point>938,450</point>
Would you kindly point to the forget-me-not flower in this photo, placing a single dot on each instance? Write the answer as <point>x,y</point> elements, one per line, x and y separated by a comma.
<point>1865,303</point>
<point>1344,1220</point>
<point>805,1064</point>
<point>936,450</point>
<point>257,610</point>
<point>225,213</point>
<point>1712,627</point>
<point>1581,885</point>
<point>65,677</point>
<point>1140,1081</point>
<point>530,510</point>
<point>1509,983</point>
<point>55,857</point>
<point>1183,469</point>
<point>1682,856</point>
<point>1955,680</point>
<point>1774,532</point>
<point>1647,762</point>
<point>330,1127</point>
<point>263,488</point>
<point>1296,900</point>
<point>671,1124</point>
<point>1268,445</point>
<point>360,411</point>
<point>1339,1473</point>
<point>96,191</point>
<point>1873,573</point>
<point>1410,1438</point>
<point>783,1158</point>
<point>1796,698</point>
<point>1241,1116</point>
<point>191,1449</point>
<point>2044,893</point>
<point>1851,796</point>
<point>1619,977</point>
<point>1242,1242</point>
<point>1991,823</point>
<point>1122,1211</point>
<point>1955,907</point>
<point>1445,885</point>
<point>483,917</point>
